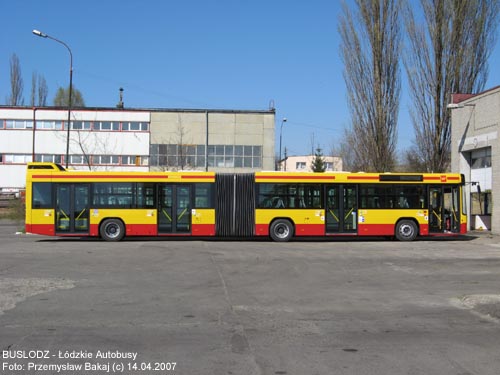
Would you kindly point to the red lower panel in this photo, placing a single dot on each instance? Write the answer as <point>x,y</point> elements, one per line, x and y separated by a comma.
<point>152,230</point>
<point>309,229</point>
<point>45,229</point>
<point>376,229</point>
<point>300,230</point>
<point>261,229</point>
<point>386,230</point>
<point>141,230</point>
<point>131,229</point>
<point>203,230</point>
<point>463,228</point>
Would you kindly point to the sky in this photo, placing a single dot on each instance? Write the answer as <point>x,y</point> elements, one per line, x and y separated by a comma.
<point>219,54</point>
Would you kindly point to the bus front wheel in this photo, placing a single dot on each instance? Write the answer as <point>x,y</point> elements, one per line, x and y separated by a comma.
<point>112,230</point>
<point>406,230</point>
<point>281,230</point>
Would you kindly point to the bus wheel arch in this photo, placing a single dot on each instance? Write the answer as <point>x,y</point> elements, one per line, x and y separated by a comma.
<point>281,229</point>
<point>112,229</point>
<point>407,229</point>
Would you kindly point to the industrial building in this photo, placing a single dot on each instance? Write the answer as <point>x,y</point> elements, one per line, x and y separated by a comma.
<point>134,139</point>
<point>475,152</point>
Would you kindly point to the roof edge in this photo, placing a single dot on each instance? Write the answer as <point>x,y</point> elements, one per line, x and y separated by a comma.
<point>460,97</point>
<point>114,109</point>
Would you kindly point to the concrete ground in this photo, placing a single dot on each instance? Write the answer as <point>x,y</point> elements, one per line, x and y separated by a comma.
<point>253,307</point>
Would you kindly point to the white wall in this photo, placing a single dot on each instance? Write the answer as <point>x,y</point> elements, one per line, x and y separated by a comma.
<point>20,141</point>
<point>12,176</point>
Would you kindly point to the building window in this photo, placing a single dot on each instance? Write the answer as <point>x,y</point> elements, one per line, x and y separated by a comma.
<point>48,158</point>
<point>129,159</point>
<point>18,124</point>
<point>49,125</point>
<point>105,160</point>
<point>481,158</point>
<point>79,159</point>
<point>145,161</point>
<point>481,203</point>
<point>135,126</point>
<point>106,126</point>
<point>221,156</point>
<point>17,158</point>
<point>300,165</point>
<point>81,125</point>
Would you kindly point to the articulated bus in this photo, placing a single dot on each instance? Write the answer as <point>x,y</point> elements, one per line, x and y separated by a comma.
<point>279,205</point>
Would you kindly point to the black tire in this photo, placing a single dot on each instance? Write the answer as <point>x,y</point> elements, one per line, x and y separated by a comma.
<point>281,230</point>
<point>406,230</point>
<point>112,230</point>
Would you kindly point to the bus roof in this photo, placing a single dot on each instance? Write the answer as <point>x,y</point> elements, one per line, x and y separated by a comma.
<point>41,171</point>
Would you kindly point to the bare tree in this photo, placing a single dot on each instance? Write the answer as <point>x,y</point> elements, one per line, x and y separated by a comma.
<point>39,90</point>
<point>174,153</point>
<point>370,50</point>
<point>33,88</point>
<point>43,91</point>
<point>412,161</point>
<point>16,83</point>
<point>447,54</point>
<point>352,152</point>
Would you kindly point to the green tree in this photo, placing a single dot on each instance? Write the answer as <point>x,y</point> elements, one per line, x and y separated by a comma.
<point>318,163</point>
<point>62,98</point>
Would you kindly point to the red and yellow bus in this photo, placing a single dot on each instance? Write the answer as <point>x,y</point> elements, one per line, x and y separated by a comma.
<point>281,205</point>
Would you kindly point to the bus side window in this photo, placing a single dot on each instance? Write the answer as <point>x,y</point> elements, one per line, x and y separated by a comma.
<point>403,202</point>
<point>278,202</point>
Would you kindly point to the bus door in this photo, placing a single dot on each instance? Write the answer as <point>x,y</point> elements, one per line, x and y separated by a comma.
<point>341,209</point>
<point>174,209</point>
<point>72,208</point>
<point>444,209</point>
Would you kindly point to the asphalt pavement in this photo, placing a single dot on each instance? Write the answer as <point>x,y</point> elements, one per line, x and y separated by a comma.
<point>80,306</point>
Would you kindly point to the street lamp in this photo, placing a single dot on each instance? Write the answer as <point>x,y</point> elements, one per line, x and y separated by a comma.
<point>42,35</point>
<point>281,136</point>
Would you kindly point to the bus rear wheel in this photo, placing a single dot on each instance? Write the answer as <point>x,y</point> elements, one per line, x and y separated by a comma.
<point>406,230</point>
<point>112,230</point>
<point>281,230</point>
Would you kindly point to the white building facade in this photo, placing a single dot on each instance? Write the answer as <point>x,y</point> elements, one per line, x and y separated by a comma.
<point>304,163</point>
<point>134,139</point>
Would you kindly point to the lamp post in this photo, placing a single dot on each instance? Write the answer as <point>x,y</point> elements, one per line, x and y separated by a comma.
<point>34,128</point>
<point>281,137</point>
<point>43,35</point>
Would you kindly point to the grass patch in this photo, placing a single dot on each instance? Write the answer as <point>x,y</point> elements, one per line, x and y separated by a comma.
<point>14,211</point>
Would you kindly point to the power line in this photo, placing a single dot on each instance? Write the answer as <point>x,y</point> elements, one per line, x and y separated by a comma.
<point>314,126</point>
<point>139,88</point>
